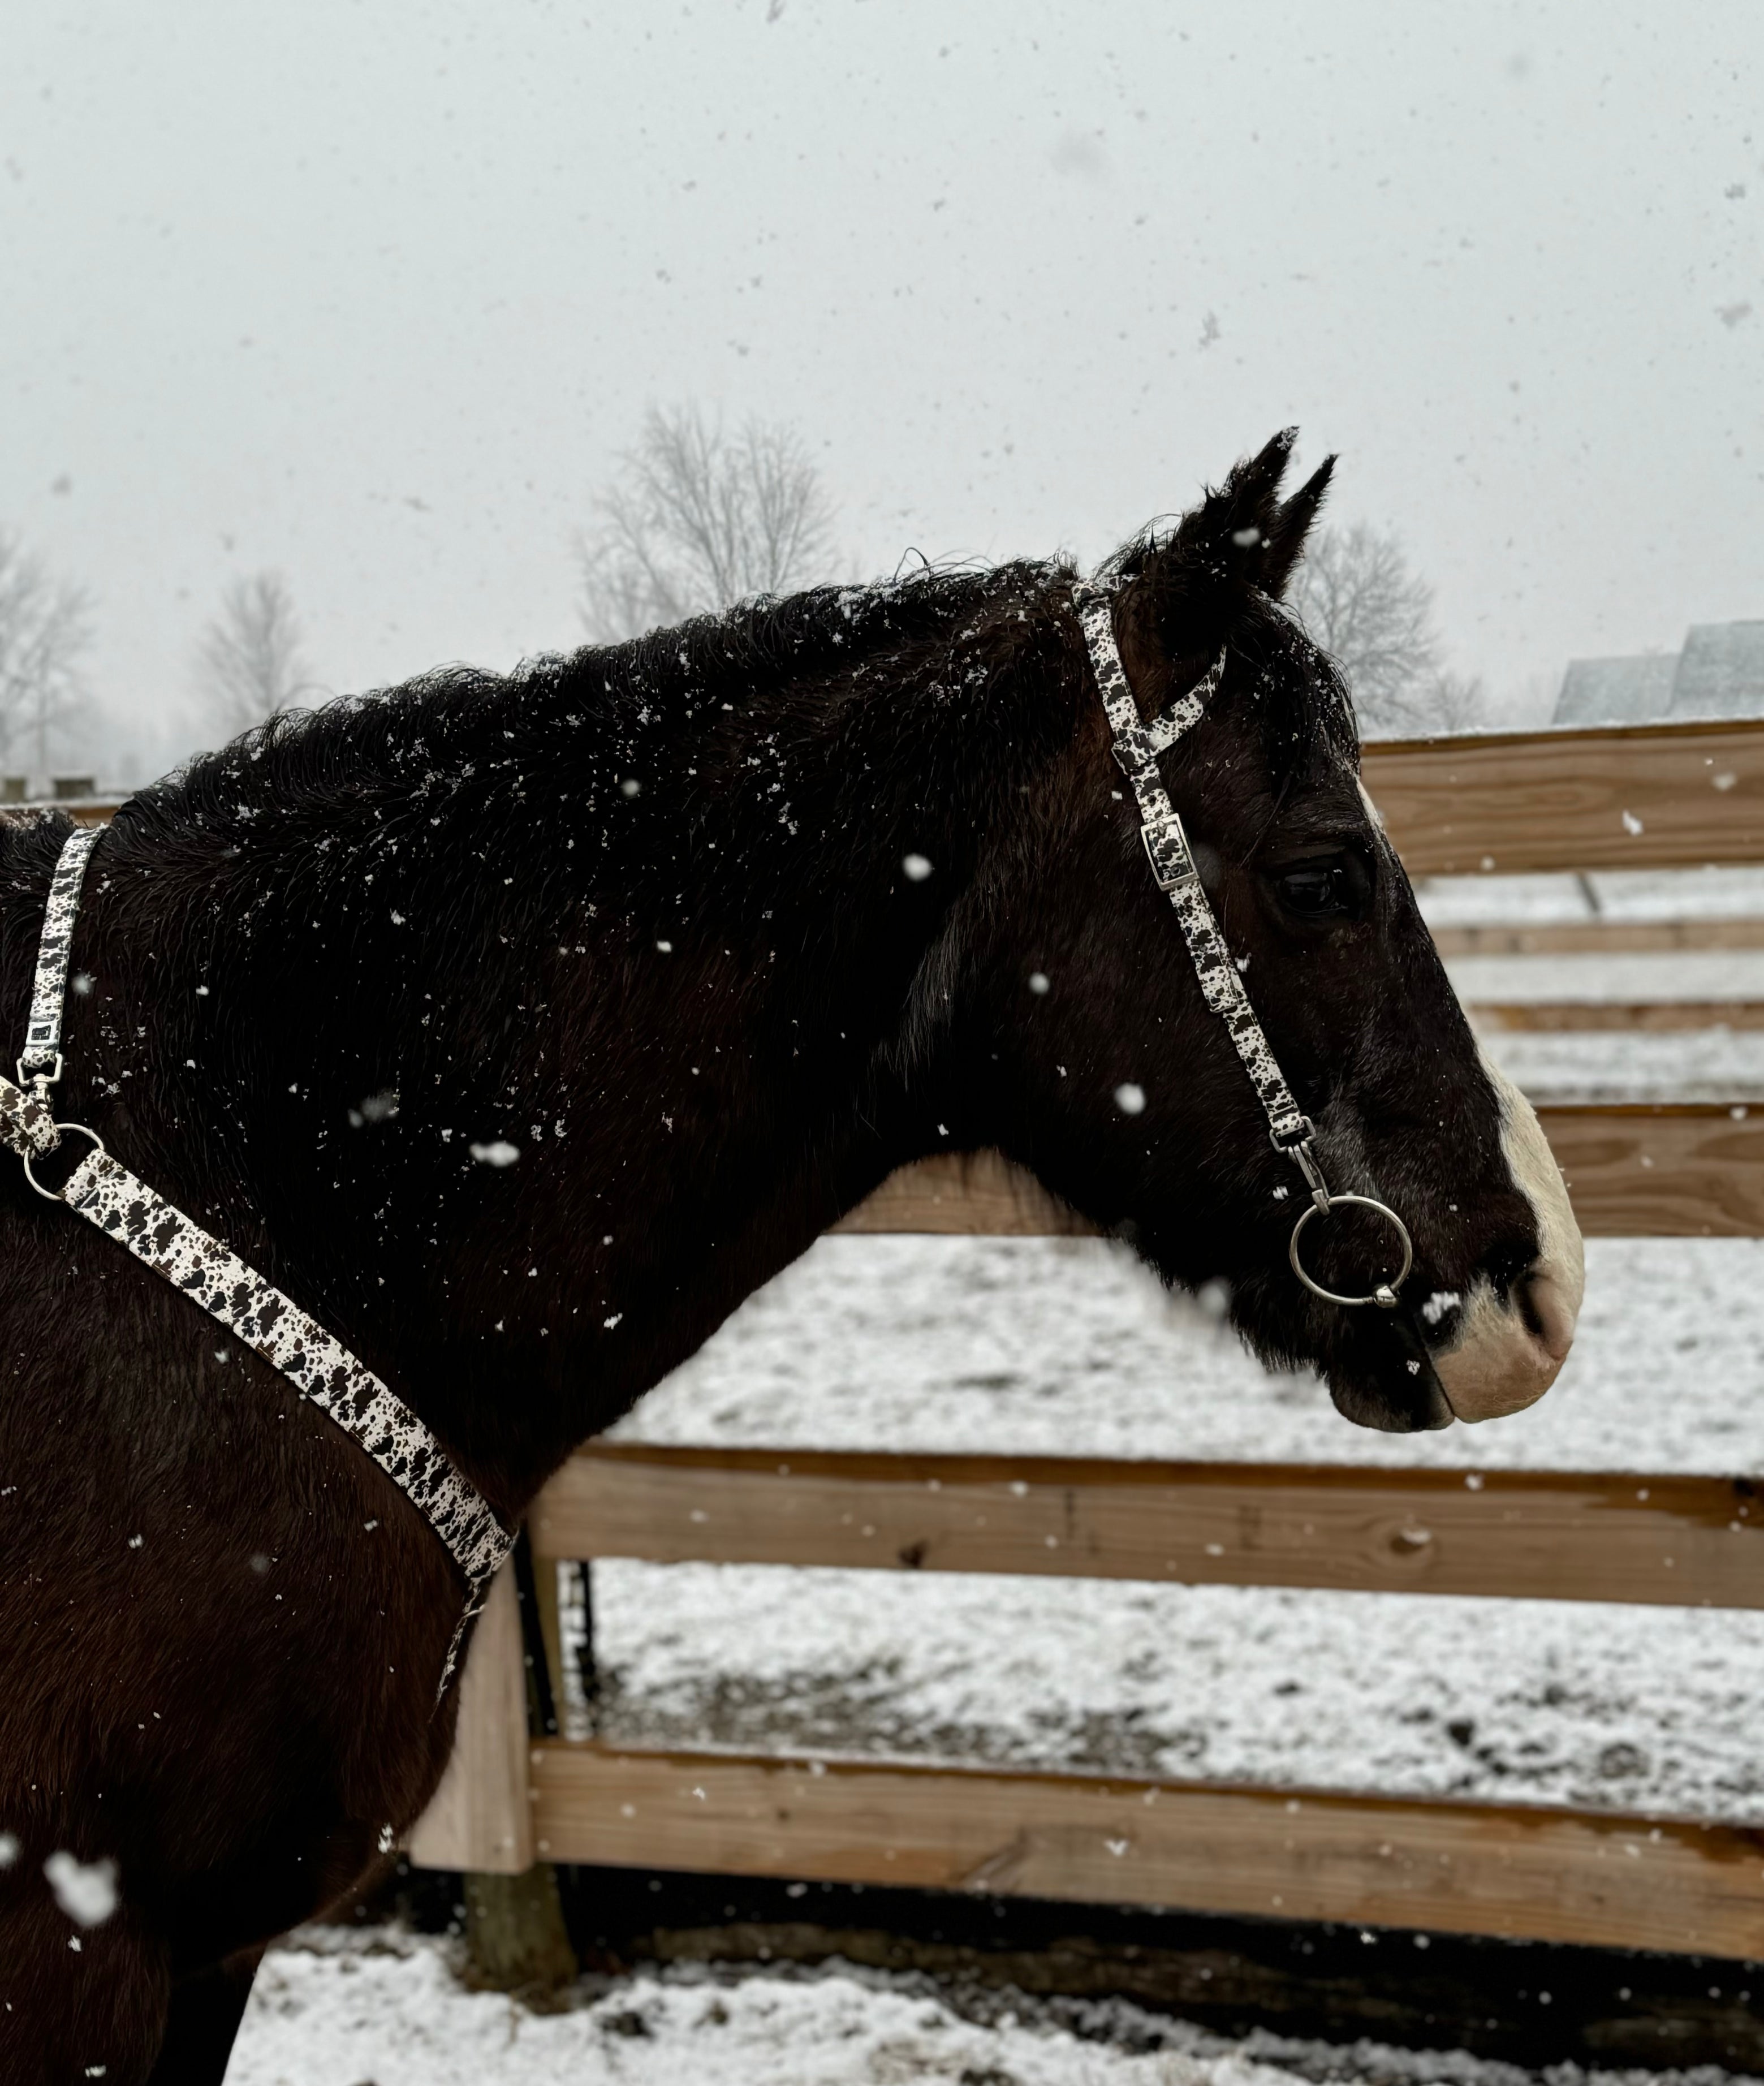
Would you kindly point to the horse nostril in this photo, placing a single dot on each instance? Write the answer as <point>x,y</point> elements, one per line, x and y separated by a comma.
<point>1548,1309</point>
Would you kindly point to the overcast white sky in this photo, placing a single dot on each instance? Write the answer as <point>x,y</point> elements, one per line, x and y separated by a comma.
<point>374,294</point>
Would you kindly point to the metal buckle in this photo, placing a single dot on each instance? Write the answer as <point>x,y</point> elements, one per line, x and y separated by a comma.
<point>59,1194</point>
<point>39,1079</point>
<point>1165,882</point>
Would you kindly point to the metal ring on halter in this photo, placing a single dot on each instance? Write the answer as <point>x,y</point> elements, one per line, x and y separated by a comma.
<point>1385,1294</point>
<point>59,1194</point>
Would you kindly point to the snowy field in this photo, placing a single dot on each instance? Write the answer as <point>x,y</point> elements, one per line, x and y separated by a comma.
<point>349,2009</point>
<point>1653,894</point>
<point>1717,1064</point>
<point>1713,1064</point>
<point>1585,977</point>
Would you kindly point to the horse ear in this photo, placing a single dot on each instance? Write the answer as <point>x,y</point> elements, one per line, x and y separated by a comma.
<point>1227,538</point>
<point>1240,540</point>
<point>1234,523</point>
<point>1284,543</point>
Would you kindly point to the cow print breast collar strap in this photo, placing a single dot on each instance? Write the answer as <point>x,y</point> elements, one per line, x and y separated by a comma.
<point>103,1191</point>
<point>1137,745</point>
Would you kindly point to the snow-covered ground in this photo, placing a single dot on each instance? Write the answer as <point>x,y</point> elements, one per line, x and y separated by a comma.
<point>1070,1346</point>
<point>1582,977</point>
<point>1655,894</point>
<point>337,2009</point>
<point>1716,1064</point>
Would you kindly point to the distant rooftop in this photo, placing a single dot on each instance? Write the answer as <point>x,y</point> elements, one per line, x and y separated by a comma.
<point>1719,673</point>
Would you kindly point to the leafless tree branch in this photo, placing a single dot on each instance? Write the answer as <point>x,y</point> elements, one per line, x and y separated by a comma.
<point>45,630</point>
<point>1354,593</point>
<point>249,663</point>
<point>698,519</point>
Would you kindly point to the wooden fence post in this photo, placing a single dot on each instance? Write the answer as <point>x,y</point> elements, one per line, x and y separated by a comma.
<point>481,1817</point>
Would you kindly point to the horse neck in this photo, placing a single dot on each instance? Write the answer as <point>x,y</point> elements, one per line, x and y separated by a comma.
<point>682,1012</point>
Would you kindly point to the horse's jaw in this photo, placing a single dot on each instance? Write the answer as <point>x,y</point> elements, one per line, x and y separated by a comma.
<point>1389,1383</point>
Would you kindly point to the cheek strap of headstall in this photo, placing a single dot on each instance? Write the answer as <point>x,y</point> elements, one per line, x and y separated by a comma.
<point>1137,745</point>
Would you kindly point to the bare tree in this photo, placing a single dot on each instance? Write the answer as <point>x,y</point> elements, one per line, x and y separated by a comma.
<point>249,663</point>
<point>699,518</point>
<point>1354,593</point>
<point>45,629</point>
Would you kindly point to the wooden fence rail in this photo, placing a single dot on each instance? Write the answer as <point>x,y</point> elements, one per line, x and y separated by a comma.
<point>1520,1871</point>
<point>1672,796</point>
<point>1564,1535</point>
<point>1665,796</point>
<point>1647,797</point>
<point>1676,1170</point>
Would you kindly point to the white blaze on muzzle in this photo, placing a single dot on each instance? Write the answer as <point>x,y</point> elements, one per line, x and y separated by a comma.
<point>1509,1350</point>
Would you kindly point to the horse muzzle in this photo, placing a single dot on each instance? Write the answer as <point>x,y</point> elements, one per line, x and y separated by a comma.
<point>1509,1350</point>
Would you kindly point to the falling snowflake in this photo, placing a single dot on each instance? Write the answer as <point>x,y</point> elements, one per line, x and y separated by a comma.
<point>86,1892</point>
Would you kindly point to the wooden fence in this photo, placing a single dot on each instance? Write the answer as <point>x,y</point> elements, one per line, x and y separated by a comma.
<point>1650,797</point>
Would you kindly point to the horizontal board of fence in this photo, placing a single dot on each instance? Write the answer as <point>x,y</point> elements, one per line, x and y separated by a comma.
<point>1514,1871</point>
<point>1673,1170</point>
<point>1511,1870</point>
<point>1670,796</point>
<point>1636,1017</point>
<point>1567,1535</point>
<point>967,1194</point>
<point>1601,938</point>
<point>1630,797</point>
<point>1676,1170</point>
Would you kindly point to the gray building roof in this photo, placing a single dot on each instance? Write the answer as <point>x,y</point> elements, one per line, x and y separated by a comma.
<point>1719,673</point>
<point>1616,691</point>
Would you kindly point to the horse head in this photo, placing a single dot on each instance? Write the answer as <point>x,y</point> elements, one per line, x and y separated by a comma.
<point>1105,1070</point>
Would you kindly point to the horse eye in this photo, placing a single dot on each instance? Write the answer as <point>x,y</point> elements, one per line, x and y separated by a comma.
<point>1332,887</point>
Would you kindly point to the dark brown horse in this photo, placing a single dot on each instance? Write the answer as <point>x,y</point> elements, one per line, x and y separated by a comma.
<point>647,919</point>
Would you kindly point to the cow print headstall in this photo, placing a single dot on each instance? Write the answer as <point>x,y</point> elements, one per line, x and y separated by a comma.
<point>1138,747</point>
<point>102,1190</point>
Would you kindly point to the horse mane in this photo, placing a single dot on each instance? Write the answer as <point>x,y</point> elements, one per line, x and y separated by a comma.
<point>358,746</point>
<point>365,749</point>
